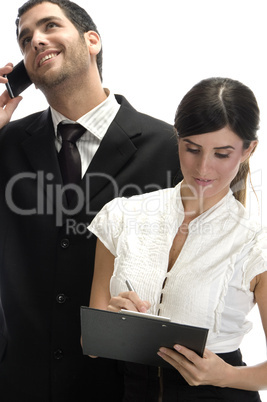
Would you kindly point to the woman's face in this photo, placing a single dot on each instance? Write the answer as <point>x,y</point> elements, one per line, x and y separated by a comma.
<point>209,162</point>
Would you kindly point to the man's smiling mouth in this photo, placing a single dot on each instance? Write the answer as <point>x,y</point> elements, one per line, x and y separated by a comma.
<point>47,57</point>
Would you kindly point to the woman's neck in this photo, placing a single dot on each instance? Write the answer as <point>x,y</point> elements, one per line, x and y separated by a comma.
<point>195,205</point>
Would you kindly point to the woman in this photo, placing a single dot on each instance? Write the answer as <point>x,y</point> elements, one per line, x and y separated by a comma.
<point>192,253</point>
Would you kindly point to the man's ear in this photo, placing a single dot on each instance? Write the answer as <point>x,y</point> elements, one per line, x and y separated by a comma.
<point>247,152</point>
<point>93,42</point>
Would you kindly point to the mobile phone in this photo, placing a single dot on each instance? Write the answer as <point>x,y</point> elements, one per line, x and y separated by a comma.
<point>18,80</point>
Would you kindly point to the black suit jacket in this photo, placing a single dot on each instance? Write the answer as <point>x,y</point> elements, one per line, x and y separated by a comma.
<point>47,253</point>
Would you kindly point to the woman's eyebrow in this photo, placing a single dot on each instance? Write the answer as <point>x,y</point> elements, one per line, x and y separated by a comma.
<point>200,146</point>
<point>225,147</point>
<point>191,142</point>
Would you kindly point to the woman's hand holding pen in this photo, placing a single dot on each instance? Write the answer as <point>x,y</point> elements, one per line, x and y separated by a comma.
<point>128,301</point>
<point>7,105</point>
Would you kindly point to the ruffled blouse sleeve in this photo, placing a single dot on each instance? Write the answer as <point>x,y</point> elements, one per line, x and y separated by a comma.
<point>256,262</point>
<point>108,224</point>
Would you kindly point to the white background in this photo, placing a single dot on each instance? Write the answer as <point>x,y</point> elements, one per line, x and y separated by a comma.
<point>155,51</point>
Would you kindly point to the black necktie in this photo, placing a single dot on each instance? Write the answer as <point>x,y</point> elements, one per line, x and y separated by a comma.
<point>69,156</point>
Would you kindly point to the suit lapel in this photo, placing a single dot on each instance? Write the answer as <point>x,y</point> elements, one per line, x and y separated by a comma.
<point>40,145</point>
<point>115,149</point>
<point>114,152</point>
<point>40,150</point>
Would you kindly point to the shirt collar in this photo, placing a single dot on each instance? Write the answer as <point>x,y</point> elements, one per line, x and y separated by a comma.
<point>228,202</point>
<point>97,121</point>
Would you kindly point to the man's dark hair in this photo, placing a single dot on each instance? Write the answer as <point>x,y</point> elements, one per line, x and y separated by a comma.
<point>76,14</point>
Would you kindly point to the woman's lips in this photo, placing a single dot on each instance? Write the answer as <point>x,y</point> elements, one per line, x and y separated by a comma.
<point>203,182</point>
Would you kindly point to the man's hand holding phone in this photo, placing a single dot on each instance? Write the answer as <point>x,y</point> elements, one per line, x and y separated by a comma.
<point>7,105</point>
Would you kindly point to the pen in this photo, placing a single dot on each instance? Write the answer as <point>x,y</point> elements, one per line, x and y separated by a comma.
<point>129,286</point>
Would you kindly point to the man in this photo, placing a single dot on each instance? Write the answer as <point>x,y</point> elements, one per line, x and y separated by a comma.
<point>47,253</point>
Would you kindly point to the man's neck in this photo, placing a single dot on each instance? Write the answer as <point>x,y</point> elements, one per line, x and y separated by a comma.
<point>74,101</point>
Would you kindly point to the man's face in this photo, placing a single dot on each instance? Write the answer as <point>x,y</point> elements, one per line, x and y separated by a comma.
<point>53,50</point>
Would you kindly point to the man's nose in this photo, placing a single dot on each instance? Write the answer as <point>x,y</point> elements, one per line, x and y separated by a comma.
<point>38,40</point>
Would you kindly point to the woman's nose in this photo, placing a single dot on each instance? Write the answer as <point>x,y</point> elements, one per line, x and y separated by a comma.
<point>204,165</point>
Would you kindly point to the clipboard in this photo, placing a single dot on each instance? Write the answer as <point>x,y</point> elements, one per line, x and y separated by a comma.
<point>135,338</point>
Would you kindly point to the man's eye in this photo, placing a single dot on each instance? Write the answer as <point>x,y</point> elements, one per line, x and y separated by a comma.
<point>51,25</point>
<point>25,42</point>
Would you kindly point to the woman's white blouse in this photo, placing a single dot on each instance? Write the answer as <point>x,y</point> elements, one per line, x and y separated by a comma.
<point>208,286</point>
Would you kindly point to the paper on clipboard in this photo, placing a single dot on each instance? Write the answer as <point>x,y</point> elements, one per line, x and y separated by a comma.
<point>146,315</point>
<point>135,338</point>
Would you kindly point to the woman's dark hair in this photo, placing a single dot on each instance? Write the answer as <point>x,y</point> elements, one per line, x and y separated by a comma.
<point>213,104</point>
<point>77,16</point>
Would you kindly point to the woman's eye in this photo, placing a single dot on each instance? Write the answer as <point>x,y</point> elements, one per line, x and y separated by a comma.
<point>192,150</point>
<point>222,156</point>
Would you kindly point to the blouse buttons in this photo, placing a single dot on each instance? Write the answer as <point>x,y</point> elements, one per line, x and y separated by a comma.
<point>161,295</point>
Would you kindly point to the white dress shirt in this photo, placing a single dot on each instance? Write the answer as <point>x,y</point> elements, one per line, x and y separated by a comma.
<point>96,122</point>
<point>209,284</point>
